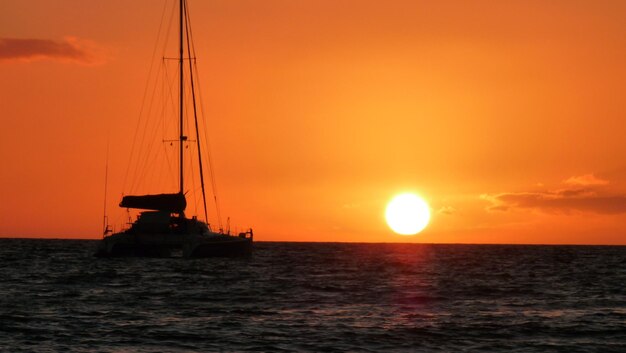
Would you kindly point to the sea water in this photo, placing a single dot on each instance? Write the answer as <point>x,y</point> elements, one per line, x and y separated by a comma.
<point>317,297</point>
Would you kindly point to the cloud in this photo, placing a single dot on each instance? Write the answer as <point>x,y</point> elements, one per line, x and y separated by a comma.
<point>586,180</point>
<point>69,49</point>
<point>557,203</point>
<point>582,195</point>
<point>447,210</point>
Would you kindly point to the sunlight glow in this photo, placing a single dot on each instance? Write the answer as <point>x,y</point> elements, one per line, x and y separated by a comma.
<point>407,214</point>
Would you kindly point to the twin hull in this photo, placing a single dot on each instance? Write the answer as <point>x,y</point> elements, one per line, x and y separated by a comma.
<point>168,245</point>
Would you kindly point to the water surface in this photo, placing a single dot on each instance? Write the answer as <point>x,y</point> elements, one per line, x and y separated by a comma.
<point>315,297</point>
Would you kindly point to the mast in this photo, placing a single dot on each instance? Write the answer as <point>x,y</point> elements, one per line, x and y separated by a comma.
<point>182,137</point>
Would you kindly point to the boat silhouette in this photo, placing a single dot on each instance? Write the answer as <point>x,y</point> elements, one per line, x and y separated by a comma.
<point>162,229</point>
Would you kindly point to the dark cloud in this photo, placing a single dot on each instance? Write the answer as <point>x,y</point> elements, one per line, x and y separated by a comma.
<point>584,193</point>
<point>69,49</point>
<point>562,201</point>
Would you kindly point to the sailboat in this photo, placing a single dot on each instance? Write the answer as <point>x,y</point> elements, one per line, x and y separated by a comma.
<point>162,229</point>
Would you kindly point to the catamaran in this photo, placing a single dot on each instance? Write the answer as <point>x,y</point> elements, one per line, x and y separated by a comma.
<point>162,229</point>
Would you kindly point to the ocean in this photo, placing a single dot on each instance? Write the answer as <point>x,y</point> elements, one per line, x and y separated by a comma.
<point>315,297</point>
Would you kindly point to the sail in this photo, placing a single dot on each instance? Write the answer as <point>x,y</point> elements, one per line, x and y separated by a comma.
<point>160,202</point>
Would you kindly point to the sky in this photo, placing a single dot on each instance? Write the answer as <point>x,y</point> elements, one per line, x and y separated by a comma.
<point>508,117</point>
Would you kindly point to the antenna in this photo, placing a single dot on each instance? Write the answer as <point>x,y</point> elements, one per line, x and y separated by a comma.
<point>105,225</point>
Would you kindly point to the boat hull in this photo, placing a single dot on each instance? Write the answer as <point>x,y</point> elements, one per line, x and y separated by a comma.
<point>174,245</point>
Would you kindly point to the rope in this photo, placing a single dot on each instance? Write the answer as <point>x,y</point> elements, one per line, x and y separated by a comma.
<point>206,136</point>
<point>143,100</point>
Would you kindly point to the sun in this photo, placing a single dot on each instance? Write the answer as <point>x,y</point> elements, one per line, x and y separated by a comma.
<point>407,214</point>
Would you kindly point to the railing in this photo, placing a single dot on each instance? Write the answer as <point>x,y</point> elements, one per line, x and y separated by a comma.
<point>247,234</point>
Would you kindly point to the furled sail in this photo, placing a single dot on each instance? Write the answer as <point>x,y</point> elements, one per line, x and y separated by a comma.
<point>160,202</point>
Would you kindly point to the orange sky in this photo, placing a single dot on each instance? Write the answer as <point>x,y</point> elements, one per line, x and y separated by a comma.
<point>507,116</point>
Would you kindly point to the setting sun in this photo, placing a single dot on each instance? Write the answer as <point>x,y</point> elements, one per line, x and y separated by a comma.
<point>407,214</point>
